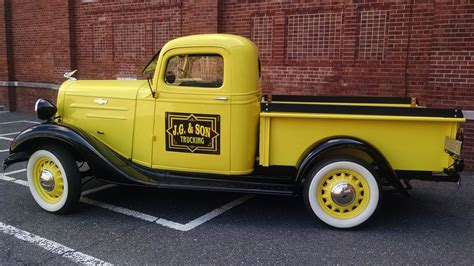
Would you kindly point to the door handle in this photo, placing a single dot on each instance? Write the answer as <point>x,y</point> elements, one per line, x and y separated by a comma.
<point>221,98</point>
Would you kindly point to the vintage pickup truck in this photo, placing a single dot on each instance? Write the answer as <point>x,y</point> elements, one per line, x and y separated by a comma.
<point>200,121</point>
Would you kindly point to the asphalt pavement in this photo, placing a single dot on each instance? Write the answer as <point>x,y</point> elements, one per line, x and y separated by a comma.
<point>130,225</point>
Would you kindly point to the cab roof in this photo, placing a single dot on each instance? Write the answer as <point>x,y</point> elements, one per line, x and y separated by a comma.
<point>229,42</point>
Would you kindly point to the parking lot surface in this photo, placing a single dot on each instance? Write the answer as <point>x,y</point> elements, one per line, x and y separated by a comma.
<point>118,225</point>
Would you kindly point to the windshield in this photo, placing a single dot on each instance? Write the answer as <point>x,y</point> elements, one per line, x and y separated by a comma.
<point>149,69</point>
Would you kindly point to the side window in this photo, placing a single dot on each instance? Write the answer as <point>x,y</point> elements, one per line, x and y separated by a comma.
<point>195,70</point>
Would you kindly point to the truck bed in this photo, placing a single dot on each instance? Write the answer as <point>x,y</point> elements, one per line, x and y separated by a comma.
<point>411,138</point>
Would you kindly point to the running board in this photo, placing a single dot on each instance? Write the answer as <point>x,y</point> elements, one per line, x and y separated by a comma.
<point>241,184</point>
<point>286,192</point>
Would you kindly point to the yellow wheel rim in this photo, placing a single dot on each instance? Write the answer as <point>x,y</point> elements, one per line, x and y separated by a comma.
<point>48,180</point>
<point>330,185</point>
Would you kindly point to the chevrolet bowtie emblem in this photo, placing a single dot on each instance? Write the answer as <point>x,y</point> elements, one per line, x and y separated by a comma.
<point>101,101</point>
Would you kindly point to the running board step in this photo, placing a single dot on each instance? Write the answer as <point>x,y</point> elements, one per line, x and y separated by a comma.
<point>231,184</point>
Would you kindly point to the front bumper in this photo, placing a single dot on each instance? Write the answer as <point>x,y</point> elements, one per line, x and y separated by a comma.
<point>14,158</point>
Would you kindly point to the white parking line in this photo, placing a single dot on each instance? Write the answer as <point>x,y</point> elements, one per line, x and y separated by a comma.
<point>167,223</point>
<point>21,182</point>
<point>13,180</point>
<point>4,150</point>
<point>216,212</point>
<point>7,134</point>
<point>19,121</point>
<point>15,172</point>
<point>143,216</point>
<point>51,246</point>
<point>2,136</point>
<point>7,178</point>
<point>125,211</point>
<point>94,190</point>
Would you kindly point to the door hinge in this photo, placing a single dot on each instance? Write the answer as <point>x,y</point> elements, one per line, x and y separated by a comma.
<point>153,138</point>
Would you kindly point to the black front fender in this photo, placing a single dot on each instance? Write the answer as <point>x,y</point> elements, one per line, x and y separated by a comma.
<point>101,159</point>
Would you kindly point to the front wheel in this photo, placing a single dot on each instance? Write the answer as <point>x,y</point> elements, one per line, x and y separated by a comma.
<point>342,192</point>
<point>54,179</point>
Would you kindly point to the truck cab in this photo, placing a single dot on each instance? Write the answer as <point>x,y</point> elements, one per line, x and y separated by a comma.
<point>200,104</point>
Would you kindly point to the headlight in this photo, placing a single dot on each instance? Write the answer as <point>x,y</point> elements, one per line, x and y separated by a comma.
<point>45,109</point>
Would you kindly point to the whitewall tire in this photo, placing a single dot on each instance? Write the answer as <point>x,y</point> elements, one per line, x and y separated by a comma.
<point>342,192</point>
<point>54,179</point>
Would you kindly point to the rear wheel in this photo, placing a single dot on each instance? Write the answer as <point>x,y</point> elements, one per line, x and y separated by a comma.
<point>342,192</point>
<point>54,179</point>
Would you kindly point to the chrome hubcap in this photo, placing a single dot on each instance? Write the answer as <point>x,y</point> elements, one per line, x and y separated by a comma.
<point>343,194</point>
<point>47,180</point>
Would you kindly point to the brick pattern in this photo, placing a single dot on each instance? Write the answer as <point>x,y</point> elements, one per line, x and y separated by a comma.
<point>118,38</point>
<point>312,59</point>
<point>165,30</point>
<point>314,36</point>
<point>262,35</point>
<point>407,48</point>
<point>4,97</point>
<point>372,33</point>
<point>129,33</point>
<point>129,41</point>
<point>29,96</point>
<point>3,48</point>
<point>99,37</point>
<point>41,51</point>
<point>199,16</point>
<point>451,68</point>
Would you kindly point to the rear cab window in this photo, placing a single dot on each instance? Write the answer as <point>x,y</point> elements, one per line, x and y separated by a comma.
<point>195,70</point>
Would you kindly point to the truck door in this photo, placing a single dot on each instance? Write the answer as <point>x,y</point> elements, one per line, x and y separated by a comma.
<point>192,111</point>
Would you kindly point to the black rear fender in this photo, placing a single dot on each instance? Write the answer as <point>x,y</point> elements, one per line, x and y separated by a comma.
<point>347,146</point>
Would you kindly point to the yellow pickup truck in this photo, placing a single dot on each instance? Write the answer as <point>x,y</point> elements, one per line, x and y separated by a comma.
<point>200,121</point>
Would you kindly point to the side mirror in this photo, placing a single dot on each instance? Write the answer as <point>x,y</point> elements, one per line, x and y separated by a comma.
<point>170,77</point>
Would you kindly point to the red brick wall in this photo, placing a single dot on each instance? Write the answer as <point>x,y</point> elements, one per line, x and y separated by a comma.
<point>3,47</point>
<point>418,49</point>
<point>451,68</point>
<point>117,38</point>
<point>28,96</point>
<point>421,49</point>
<point>200,16</point>
<point>34,47</point>
<point>326,47</point>
<point>40,40</point>
<point>4,97</point>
